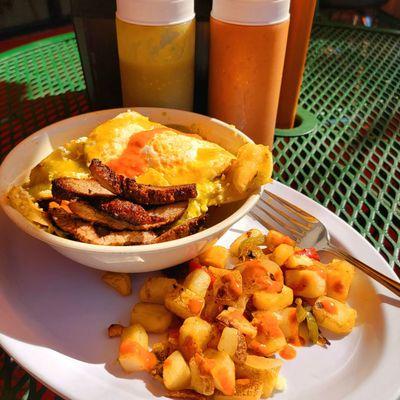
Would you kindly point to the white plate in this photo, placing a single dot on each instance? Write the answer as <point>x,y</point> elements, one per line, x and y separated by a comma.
<point>54,315</point>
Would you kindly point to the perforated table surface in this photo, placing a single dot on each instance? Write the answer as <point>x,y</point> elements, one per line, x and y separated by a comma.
<point>350,164</point>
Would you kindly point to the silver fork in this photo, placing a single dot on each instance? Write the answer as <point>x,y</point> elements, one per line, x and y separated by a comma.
<point>308,231</point>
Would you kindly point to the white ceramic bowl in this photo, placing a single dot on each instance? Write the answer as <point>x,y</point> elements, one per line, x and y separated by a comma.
<point>17,165</point>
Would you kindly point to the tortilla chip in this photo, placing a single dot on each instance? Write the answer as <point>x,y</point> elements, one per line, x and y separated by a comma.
<point>21,200</point>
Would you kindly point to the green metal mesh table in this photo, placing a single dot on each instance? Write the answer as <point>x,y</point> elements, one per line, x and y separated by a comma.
<point>350,164</point>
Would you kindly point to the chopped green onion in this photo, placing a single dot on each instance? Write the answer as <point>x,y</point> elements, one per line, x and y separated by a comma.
<point>312,327</point>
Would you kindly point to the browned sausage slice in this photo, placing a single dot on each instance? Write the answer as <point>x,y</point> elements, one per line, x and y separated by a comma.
<point>129,189</point>
<point>189,227</point>
<point>72,188</point>
<point>85,232</point>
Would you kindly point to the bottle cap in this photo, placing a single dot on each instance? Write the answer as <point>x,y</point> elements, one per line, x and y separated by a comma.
<point>251,12</point>
<point>155,12</point>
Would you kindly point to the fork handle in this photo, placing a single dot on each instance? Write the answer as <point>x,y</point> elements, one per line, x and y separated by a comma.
<point>389,283</point>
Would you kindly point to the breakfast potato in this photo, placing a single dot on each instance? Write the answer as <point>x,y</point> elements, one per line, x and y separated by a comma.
<point>281,253</point>
<point>234,344</point>
<point>241,302</point>
<point>235,319</point>
<point>194,334</point>
<point>274,238</point>
<point>228,288</point>
<point>298,261</point>
<point>201,380</point>
<point>261,274</point>
<point>252,233</point>
<point>288,323</point>
<point>198,282</point>
<point>218,272</point>
<point>334,315</point>
<point>211,307</point>
<point>121,282</point>
<point>115,330</point>
<point>262,369</point>
<point>229,341</point>
<point>339,277</point>
<point>216,332</point>
<point>133,353</point>
<point>222,370</point>
<point>267,301</point>
<point>184,302</point>
<point>136,333</point>
<point>252,168</point>
<point>215,256</point>
<point>176,372</point>
<point>155,289</point>
<point>155,318</point>
<point>270,338</point>
<point>306,282</point>
<point>246,389</point>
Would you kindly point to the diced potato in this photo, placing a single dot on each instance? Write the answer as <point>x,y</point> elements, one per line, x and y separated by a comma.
<point>115,330</point>
<point>306,282</point>
<point>274,239</point>
<point>133,353</point>
<point>215,256</point>
<point>270,338</point>
<point>334,315</point>
<point>241,302</point>
<point>280,384</point>
<point>201,381</point>
<point>228,288</point>
<point>194,334</point>
<point>298,261</point>
<point>252,168</point>
<point>216,331</point>
<point>155,289</point>
<point>245,390</point>
<point>232,342</point>
<point>288,324</point>
<point>136,333</point>
<point>198,282</point>
<point>229,341</point>
<point>133,357</point>
<point>261,369</point>
<point>261,274</point>
<point>218,272</point>
<point>176,372</point>
<point>222,371</point>
<point>119,281</point>
<point>268,347</point>
<point>339,277</point>
<point>162,349</point>
<point>267,301</point>
<point>282,253</point>
<point>155,318</point>
<point>234,318</point>
<point>235,246</point>
<point>211,308</point>
<point>184,303</point>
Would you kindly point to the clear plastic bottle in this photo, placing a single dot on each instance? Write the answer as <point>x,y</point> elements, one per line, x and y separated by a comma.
<point>156,48</point>
<point>247,52</point>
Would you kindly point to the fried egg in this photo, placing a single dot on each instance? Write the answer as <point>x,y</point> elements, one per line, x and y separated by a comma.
<point>161,156</point>
<point>154,154</point>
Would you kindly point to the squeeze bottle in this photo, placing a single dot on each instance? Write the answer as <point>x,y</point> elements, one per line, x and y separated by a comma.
<point>156,48</point>
<point>247,52</point>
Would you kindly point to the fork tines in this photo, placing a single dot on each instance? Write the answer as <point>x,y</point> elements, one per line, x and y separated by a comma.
<point>276,213</point>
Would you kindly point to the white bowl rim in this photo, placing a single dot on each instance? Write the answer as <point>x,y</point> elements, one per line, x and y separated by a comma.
<point>52,239</point>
